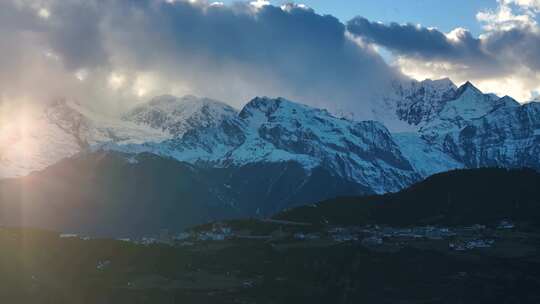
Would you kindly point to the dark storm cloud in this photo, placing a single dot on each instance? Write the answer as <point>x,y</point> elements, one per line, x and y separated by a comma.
<point>231,52</point>
<point>75,34</point>
<point>498,53</point>
<point>294,52</point>
<point>518,46</point>
<point>414,40</point>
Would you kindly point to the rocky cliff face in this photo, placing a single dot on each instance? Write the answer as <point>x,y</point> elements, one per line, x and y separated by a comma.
<point>469,130</point>
<point>409,105</point>
<point>507,137</point>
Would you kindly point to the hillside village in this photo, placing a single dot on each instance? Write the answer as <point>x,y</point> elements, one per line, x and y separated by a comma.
<point>375,237</point>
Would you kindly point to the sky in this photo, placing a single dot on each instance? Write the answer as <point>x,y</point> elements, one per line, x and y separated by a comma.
<point>445,15</point>
<point>339,55</point>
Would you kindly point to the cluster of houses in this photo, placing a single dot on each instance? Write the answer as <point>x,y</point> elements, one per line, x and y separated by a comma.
<point>375,234</point>
<point>459,239</point>
<point>462,245</point>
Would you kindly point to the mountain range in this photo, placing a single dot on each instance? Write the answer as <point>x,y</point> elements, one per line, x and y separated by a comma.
<point>270,155</point>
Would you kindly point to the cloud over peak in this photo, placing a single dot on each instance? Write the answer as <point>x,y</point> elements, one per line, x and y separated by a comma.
<point>114,54</point>
<point>504,59</point>
<point>106,51</point>
<point>417,41</point>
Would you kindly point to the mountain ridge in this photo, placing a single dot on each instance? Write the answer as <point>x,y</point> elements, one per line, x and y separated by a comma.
<point>447,128</point>
<point>215,162</point>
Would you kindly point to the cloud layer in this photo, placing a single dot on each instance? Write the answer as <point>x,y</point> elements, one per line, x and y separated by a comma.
<point>504,59</point>
<point>114,53</point>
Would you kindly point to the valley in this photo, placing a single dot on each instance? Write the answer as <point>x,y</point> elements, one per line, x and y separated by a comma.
<point>283,260</point>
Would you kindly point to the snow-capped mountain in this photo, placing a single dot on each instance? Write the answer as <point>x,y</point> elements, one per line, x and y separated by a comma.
<point>364,152</point>
<point>468,104</point>
<point>44,136</point>
<point>409,105</point>
<point>277,131</point>
<point>471,130</point>
<point>32,143</point>
<point>190,160</point>
<point>425,127</point>
<point>180,115</point>
<point>93,130</point>
<point>509,136</point>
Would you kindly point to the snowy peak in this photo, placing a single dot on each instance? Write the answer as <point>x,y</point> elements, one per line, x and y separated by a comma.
<point>91,129</point>
<point>62,129</point>
<point>274,110</point>
<point>264,105</point>
<point>507,101</point>
<point>470,103</point>
<point>270,117</point>
<point>411,104</point>
<point>442,85</point>
<point>436,107</point>
<point>72,119</point>
<point>35,139</point>
<point>279,130</point>
<point>274,107</point>
<point>180,115</point>
<point>469,89</point>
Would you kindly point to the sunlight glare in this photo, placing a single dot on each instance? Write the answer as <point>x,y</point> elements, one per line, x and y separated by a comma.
<point>16,133</point>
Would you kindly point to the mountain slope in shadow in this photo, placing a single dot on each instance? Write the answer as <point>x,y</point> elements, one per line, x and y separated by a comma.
<point>461,197</point>
<point>111,194</point>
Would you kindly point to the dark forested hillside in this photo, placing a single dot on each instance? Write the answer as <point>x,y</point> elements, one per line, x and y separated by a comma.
<point>459,197</point>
